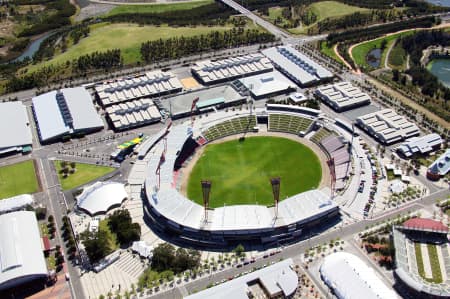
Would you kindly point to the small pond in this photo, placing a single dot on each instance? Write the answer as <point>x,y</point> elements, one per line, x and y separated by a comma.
<point>373,58</point>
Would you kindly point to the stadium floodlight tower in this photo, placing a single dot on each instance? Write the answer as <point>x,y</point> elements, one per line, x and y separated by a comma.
<point>206,190</point>
<point>275,182</point>
<point>194,104</point>
<point>331,165</point>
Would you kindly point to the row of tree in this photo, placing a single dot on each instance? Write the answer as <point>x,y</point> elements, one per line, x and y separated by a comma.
<point>98,60</point>
<point>177,47</point>
<point>355,35</point>
<point>215,13</point>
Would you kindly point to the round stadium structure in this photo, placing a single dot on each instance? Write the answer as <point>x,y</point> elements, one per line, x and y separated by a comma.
<point>170,212</point>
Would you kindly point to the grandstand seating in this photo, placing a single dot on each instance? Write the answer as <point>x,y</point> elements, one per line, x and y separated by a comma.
<point>289,123</point>
<point>321,134</point>
<point>230,127</point>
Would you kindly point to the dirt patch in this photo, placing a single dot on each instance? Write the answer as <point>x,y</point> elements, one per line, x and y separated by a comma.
<point>324,182</point>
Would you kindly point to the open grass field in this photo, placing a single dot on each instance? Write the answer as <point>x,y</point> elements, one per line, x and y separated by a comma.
<point>84,173</point>
<point>328,9</point>
<point>19,178</point>
<point>240,171</point>
<point>127,37</point>
<point>157,8</point>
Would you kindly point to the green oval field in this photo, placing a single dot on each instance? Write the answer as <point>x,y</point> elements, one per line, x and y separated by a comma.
<point>240,171</point>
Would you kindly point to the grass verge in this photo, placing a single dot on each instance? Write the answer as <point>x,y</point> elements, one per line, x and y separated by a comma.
<point>84,173</point>
<point>240,172</point>
<point>19,178</point>
<point>435,265</point>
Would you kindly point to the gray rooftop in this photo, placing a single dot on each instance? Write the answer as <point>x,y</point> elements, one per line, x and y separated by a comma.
<point>21,254</point>
<point>15,126</point>
<point>65,112</point>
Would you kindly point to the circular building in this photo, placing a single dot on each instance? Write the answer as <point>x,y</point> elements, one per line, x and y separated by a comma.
<point>101,197</point>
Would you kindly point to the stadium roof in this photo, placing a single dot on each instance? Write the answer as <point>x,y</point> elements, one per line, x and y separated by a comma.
<point>441,165</point>
<point>15,125</point>
<point>64,112</point>
<point>421,145</point>
<point>268,83</point>
<point>297,66</point>
<point>16,202</point>
<point>21,255</point>
<point>101,196</point>
<point>351,278</point>
<point>277,279</point>
<point>425,224</point>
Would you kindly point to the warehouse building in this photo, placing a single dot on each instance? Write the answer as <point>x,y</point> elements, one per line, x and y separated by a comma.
<point>275,281</point>
<point>17,137</point>
<point>420,145</point>
<point>351,278</point>
<point>387,126</point>
<point>155,83</point>
<point>133,114</point>
<point>21,251</point>
<point>64,113</point>
<point>296,66</point>
<point>267,85</point>
<point>342,96</point>
<point>213,72</point>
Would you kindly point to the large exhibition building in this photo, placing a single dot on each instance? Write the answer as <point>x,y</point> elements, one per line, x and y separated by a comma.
<point>64,113</point>
<point>22,258</point>
<point>17,138</point>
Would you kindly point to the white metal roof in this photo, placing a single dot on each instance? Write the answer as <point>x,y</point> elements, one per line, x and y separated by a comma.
<point>277,278</point>
<point>423,144</point>
<point>14,125</point>
<point>21,252</point>
<point>49,115</point>
<point>442,164</point>
<point>81,108</point>
<point>16,202</point>
<point>351,278</point>
<point>267,83</point>
<point>101,196</point>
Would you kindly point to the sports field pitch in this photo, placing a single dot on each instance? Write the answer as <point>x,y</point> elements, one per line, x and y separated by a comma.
<point>240,172</point>
<point>19,178</point>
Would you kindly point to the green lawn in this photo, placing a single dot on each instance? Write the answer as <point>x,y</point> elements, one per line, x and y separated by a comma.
<point>419,260</point>
<point>84,173</point>
<point>360,52</point>
<point>157,8</point>
<point>328,9</point>
<point>240,171</point>
<point>127,37</point>
<point>19,178</point>
<point>434,262</point>
<point>329,51</point>
<point>397,57</point>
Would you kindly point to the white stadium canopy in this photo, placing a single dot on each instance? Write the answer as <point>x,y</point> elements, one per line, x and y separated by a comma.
<point>351,278</point>
<point>100,197</point>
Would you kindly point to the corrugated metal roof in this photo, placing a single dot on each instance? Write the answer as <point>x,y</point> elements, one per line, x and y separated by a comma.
<point>14,124</point>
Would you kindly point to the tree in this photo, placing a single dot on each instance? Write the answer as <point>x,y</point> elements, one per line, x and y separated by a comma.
<point>395,75</point>
<point>63,164</point>
<point>120,222</point>
<point>73,165</point>
<point>162,258</point>
<point>51,219</point>
<point>96,245</point>
<point>239,250</point>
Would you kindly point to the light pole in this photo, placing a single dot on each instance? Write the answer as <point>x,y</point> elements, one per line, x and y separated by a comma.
<point>206,190</point>
<point>275,182</point>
